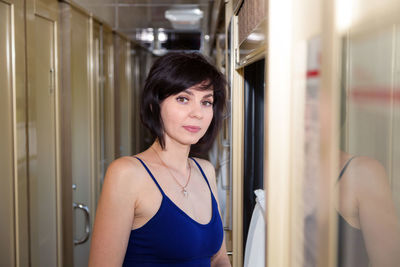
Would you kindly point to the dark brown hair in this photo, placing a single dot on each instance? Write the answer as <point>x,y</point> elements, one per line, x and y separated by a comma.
<point>172,74</point>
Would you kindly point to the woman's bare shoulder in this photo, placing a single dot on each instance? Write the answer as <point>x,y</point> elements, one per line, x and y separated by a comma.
<point>126,163</point>
<point>125,173</point>
<point>370,176</point>
<point>209,171</point>
<point>207,166</point>
<point>368,168</point>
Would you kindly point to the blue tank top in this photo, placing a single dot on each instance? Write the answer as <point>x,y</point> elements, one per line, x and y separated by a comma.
<point>172,238</point>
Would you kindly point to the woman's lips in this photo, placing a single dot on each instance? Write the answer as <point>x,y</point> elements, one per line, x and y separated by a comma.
<point>192,129</point>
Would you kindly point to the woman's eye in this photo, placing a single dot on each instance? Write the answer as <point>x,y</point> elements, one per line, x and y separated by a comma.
<point>207,103</point>
<point>182,99</point>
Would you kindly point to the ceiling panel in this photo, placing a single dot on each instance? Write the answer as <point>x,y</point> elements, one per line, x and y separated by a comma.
<point>131,16</point>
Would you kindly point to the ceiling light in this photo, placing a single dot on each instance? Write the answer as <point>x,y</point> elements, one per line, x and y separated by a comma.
<point>145,35</point>
<point>162,36</point>
<point>184,19</point>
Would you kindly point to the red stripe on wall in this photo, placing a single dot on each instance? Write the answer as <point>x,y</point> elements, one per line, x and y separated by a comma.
<point>375,94</point>
<point>312,73</point>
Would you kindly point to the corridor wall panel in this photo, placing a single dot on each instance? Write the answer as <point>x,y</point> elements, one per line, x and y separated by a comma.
<point>14,249</point>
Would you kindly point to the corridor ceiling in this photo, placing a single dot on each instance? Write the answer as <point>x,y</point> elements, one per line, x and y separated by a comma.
<point>133,17</point>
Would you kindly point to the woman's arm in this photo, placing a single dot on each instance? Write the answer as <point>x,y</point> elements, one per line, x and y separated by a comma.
<point>114,215</point>
<point>220,259</point>
<point>378,220</point>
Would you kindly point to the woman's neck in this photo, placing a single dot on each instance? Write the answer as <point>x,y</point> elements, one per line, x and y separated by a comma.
<point>174,155</point>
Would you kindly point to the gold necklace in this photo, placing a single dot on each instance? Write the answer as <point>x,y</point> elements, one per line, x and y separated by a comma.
<point>184,191</point>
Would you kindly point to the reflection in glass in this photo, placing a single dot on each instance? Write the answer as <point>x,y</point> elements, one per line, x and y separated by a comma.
<point>368,225</point>
<point>311,152</point>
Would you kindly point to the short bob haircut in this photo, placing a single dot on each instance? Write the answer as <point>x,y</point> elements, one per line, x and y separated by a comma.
<point>172,74</point>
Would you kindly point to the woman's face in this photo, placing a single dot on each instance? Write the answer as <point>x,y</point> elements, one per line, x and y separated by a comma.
<point>187,115</point>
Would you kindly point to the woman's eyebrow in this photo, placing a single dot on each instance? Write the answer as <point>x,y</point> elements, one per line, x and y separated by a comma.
<point>209,95</point>
<point>190,93</point>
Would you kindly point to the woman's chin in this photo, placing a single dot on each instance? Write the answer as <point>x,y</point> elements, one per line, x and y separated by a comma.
<point>190,141</point>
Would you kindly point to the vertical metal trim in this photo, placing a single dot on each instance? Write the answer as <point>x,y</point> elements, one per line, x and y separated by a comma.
<point>129,87</point>
<point>117,93</point>
<point>237,155</point>
<point>101,106</point>
<point>231,70</point>
<point>28,9</point>
<point>57,114</point>
<point>14,155</point>
<point>92,118</point>
<point>25,11</point>
<point>237,171</point>
<point>112,57</point>
<point>98,92</point>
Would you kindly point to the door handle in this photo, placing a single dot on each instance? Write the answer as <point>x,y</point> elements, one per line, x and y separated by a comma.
<point>87,223</point>
<point>52,86</point>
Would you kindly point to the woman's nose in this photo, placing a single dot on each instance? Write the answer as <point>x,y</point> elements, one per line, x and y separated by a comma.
<point>196,111</point>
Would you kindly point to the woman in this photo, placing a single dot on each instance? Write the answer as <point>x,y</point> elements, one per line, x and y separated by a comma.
<point>369,232</point>
<point>368,226</point>
<point>159,208</point>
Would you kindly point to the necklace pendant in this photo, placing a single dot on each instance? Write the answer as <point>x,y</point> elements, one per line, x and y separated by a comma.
<point>185,193</point>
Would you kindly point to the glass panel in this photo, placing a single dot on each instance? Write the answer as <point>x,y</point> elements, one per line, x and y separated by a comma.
<point>368,182</point>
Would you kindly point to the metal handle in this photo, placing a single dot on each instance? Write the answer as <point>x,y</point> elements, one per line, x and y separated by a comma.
<point>51,87</point>
<point>87,223</point>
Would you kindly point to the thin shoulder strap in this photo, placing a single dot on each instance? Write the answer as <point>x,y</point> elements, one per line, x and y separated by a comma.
<point>151,175</point>
<point>345,167</point>
<point>201,170</point>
